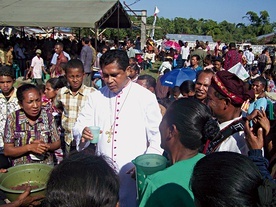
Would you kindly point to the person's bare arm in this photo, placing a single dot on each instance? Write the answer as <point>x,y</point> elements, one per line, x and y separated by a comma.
<point>35,147</point>
<point>254,141</point>
<point>25,200</point>
<point>55,145</point>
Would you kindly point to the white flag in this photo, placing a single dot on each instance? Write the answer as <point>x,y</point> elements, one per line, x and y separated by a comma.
<point>156,11</point>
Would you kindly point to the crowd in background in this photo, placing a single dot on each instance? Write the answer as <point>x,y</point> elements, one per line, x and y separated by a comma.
<point>191,124</point>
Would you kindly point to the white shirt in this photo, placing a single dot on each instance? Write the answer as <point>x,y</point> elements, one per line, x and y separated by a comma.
<point>135,117</point>
<point>165,65</point>
<point>249,57</point>
<point>54,58</point>
<point>37,64</point>
<point>185,51</point>
<point>234,143</point>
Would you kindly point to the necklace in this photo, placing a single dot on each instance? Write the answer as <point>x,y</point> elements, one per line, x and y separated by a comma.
<point>109,133</point>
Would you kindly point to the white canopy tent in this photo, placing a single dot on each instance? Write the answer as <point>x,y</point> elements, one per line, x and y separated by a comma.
<point>64,13</point>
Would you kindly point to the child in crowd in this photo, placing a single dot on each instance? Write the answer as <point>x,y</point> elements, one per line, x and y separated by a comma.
<point>254,72</point>
<point>167,64</point>
<point>97,81</point>
<point>8,104</point>
<point>187,89</point>
<point>270,76</point>
<point>70,99</point>
<point>175,93</point>
<point>61,69</point>
<point>44,99</point>
<point>134,72</point>
<point>51,89</point>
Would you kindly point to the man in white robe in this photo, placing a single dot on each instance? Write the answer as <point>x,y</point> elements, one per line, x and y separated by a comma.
<point>129,117</point>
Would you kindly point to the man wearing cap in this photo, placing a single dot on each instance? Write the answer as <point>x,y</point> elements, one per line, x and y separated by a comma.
<point>226,95</point>
<point>37,66</point>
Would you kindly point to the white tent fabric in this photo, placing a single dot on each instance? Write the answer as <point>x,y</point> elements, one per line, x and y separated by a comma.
<point>62,13</point>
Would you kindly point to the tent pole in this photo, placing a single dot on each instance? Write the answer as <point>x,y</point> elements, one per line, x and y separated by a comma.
<point>79,34</point>
<point>118,23</point>
<point>143,28</point>
<point>53,33</point>
<point>96,36</point>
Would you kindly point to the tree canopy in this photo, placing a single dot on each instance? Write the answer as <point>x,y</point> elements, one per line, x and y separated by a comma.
<point>257,25</point>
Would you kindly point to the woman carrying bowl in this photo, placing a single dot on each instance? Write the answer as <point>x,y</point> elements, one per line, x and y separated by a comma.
<point>30,134</point>
<point>186,125</point>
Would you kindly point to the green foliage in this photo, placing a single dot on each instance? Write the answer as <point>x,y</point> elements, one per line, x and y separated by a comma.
<point>257,25</point>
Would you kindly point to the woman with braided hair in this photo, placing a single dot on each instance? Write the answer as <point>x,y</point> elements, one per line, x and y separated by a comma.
<point>186,125</point>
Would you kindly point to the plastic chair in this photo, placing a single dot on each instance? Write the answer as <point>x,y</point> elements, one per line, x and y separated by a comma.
<point>17,70</point>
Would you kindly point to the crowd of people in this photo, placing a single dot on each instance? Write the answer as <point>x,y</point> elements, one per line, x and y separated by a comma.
<point>215,132</point>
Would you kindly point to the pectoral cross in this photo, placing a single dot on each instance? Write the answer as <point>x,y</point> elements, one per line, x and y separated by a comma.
<point>109,133</point>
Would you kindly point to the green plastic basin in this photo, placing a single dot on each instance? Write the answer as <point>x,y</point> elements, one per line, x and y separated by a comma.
<point>35,174</point>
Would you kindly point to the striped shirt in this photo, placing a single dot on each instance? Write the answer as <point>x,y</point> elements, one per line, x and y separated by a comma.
<point>72,105</point>
<point>19,131</point>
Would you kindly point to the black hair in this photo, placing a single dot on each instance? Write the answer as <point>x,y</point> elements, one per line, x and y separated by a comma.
<point>105,47</point>
<point>180,42</point>
<point>150,81</point>
<point>82,180</point>
<point>209,57</point>
<point>176,89</point>
<point>207,71</point>
<point>218,59</point>
<point>9,47</point>
<point>193,121</point>
<point>166,102</point>
<point>232,45</point>
<point>57,83</point>
<point>166,70</point>
<point>41,87</point>
<point>24,88</point>
<point>196,56</point>
<point>86,40</point>
<point>187,86</point>
<point>134,66</point>
<point>262,80</point>
<point>131,41</point>
<point>115,56</point>
<point>231,180</point>
<point>60,44</point>
<point>7,71</point>
<point>133,59</point>
<point>74,63</point>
